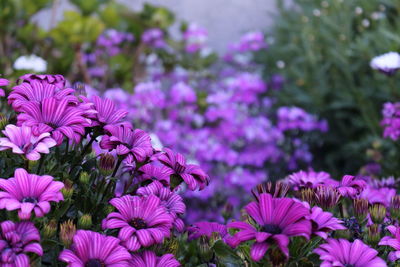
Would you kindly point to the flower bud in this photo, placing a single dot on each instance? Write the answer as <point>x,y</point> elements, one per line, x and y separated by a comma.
<point>307,194</point>
<point>227,211</point>
<point>85,221</point>
<point>276,189</point>
<point>171,245</point>
<point>106,164</point>
<point>68,189</point>
<point>277,257</point>
<point>395,206</point>
<point>3,121</point>
<point>50,229</point>
<point>108,209</point>
<point>84,178</point>
<point>373,234</point>
<point>326,197</point>
<point>360,207</point>
<point>67,232</point>
<point>79,88</point>
<point>205,251</point>
<point>378,213</point>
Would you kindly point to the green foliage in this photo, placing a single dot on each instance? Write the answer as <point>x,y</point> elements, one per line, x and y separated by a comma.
<point>323,48</point>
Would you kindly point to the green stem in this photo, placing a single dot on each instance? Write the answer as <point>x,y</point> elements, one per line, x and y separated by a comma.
<point>40,164</point>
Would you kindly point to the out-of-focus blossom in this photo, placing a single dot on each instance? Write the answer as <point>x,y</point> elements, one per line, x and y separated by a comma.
<point>309,179</point>
<point>154,37</point>
<point>30,62</point>
<point>387,63</point>
<point>22,141</point>
<point>207,229</point>
<point>295,118</point>
<point>391,120</point>
<point>195,38</point>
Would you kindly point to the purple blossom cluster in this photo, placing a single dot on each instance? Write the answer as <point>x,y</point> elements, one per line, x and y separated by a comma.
<point>391,120</point>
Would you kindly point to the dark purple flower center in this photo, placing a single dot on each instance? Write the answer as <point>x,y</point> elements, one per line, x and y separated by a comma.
<point>138,223</point>
<point>94,263</point>
<point>29,200</point>
<point>52,125</point>
<point>179,168</point>
<point>272,229</point>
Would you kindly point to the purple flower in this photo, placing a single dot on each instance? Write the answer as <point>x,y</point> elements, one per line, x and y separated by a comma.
<point>54,116</point>
<point>94,249</point>
<point>17,239</point>
<point>29,192</point>
<point>199,229</point>
<point>191,174</point>
<point>277,219</point>
<point>378,195</point>
<point>37,91</point>
<point>172,202</point>
<point>149,258</point>
<point>195,38</point>
<point>308,179</point>
<point>106,113</point>
<point>344,253</point>
<point>3,82</point>
<point>295,118</point>
<point>182,93</point>
<point>252,41</point>
<point>392,241</point>
<point>125,140</point>
<point>155,173</point>
<point>351,187</point>
<point>391,120</point>
<point>323,222</point>
<point>154,38</point>
<point>22,141</point>
<point>57,80</point>
<point>142,221</point>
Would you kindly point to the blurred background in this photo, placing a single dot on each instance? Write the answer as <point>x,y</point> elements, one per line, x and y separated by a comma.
<point>250,90</point>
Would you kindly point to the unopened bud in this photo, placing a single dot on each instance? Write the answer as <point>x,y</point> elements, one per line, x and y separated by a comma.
<point>378,213</point>
<point>85,221</point>
<point>3,121</point>
<point>360,207</point>
<point>106,164</point>
<point>326,197</point>
<point>68,189</point>
<point>205,249</point>
<point>84,178</point>
<point>50,229</point>
<point>373,234</point>
<point>277,257</point>
<point>227,211</point>
<point>307,194</point>
<point>79,88</point>
<point>67,232</point>
<point>276,189</point>
<point>395,206</point>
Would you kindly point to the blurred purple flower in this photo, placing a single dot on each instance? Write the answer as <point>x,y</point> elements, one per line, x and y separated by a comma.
<point>149,258</point>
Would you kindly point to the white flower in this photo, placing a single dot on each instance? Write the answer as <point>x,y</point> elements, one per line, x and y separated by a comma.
<point>387,63</point>
<point>30,62</point>
<point>156,142</point>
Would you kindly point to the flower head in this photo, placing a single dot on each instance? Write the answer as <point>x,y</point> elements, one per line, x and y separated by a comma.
<point>57,80</point>
<point>191,174</point>
<point>142,221</point>
<point>22,141</point>
<point>387,63</point>
<point>125,140</point>
<point>392,241</point>
<point>155,173</point>
<point>341,252</point>
<point>149,258</point>
<point>199,229</point>
<point>351,186</point>
<point>323,222</point>
<point>29,192</point>
<point>172,202</point>
<point>94,249</point>
<point>54,116</point>
<point>308,179</point>
<point>277,219</point>
<point>17,239</point>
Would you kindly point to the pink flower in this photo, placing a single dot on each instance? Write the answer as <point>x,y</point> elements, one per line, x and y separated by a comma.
<point>381,195</point>
<point>3,82</point>
<point>308,179</point>
<point>54,116</point>
<point>172,202</point>
<point>277,219</point>
<point>57,80</point>
<point>351,187</point>
<point>340,252</point>
<point>155,173</point>
<point>323,222</point>
<point>22,141</point>
<point>29,192</point>
<point>199,229</point>
<point>125,140</point>
<point>94,249</point>
<point>149,258</point>
<point>17,239</point>
<point>37,91</point>
<point>142,221</point>
<point>392,241</point>
<point>191,174</point>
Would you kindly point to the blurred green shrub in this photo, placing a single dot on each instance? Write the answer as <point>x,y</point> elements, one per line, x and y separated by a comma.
<point>323,48</point>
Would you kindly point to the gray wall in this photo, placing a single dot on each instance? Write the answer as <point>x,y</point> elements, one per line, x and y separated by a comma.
<point>225,20</point>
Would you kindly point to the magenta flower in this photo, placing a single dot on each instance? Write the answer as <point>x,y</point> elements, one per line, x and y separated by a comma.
<point>392,241</point>
<point>22,141</point>
<point>351,187</point>
<point>93,249</point>
<point>323,222</point>
<point>310,179</point>
<point>125,140</point>
<point>29,192</point>
<point>155,173</point>
<point>191,174</point>
<point>57,80</point>
<point>199,229</point>
<point>172,202</point>
<point>16,240</point>
<point>149,258</point>
<point>54,116</point>
<point>36,91</point>
<point>341,252</point>
<point>277,219</point>
<point>142,221</point>
<point>3,82</point>
<point>381,195</point>
<point>106,113</point>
